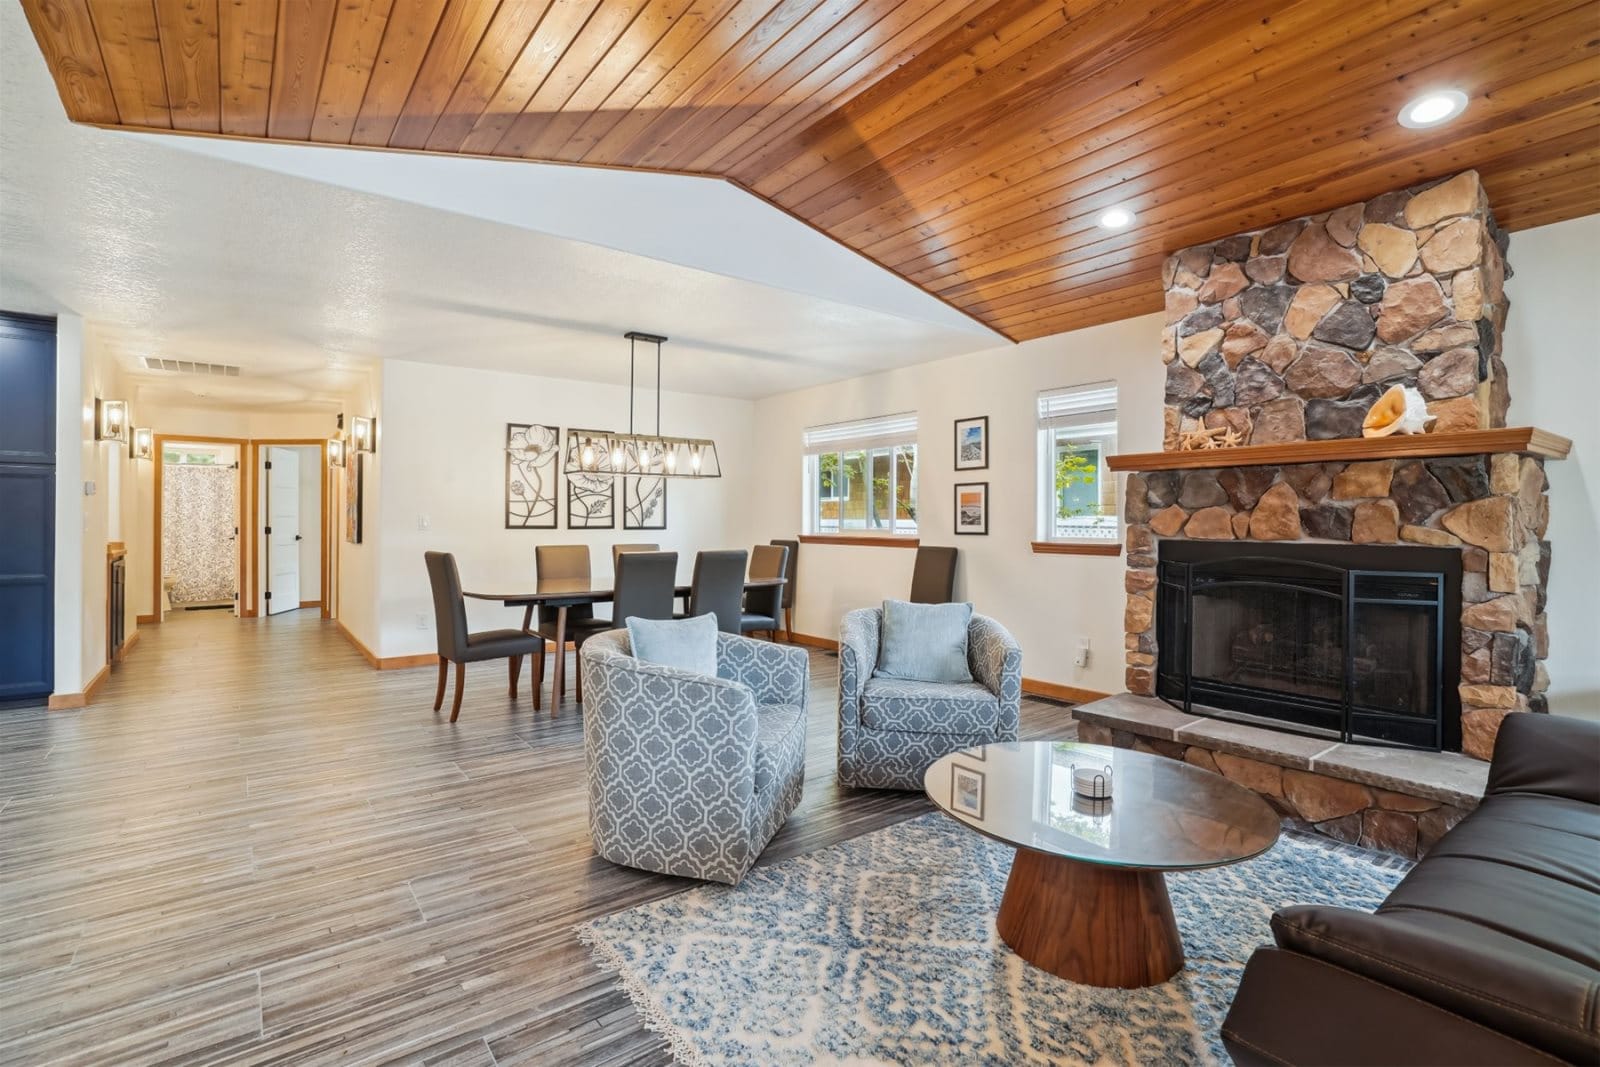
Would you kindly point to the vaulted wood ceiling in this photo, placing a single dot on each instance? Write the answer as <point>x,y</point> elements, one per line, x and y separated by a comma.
<point>970,147</point>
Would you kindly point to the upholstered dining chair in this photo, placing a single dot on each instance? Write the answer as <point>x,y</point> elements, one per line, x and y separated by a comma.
<point>933,575</point>
<point>717,587</point>
<point>646,586</point>
<point>891,730</point>
<point>618,551</point>
<point>566,561</point>
<point>764,607</point>
<point>791,571</point>
<point>458,646</point>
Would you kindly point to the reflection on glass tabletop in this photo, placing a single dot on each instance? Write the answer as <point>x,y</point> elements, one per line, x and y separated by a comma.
<point>1162,814</point>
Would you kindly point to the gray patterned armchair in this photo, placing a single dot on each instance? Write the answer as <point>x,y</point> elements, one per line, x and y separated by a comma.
<point>688,774</point>
<point>891,731</point>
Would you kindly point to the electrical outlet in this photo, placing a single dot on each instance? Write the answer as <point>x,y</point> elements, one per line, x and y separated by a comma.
<point>422,620</point>
<point>424,523</point>
<point>1082,658</point>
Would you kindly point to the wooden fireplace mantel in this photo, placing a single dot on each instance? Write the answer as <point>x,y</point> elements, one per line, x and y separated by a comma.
<point>1526,439</point>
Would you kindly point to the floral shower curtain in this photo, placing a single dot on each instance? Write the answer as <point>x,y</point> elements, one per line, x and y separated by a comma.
<point>200,510</point>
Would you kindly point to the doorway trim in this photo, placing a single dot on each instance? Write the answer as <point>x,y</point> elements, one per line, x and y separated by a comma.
<point>256,444</point>
<point>158,443</point>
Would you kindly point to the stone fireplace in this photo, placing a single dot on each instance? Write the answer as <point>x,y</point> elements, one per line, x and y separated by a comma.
<point>1285,337</point>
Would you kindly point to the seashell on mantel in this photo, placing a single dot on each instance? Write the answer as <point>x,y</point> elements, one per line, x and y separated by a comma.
<point>1399,410</point>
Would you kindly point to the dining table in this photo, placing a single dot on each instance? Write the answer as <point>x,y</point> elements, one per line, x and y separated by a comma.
<point>565,593</point>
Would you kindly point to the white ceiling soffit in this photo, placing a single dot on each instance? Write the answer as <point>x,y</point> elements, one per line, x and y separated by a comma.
<point>704,223</point>
<point>181,251</point>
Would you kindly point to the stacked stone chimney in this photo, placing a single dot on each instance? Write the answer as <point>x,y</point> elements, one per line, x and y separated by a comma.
<point>1289,334</point>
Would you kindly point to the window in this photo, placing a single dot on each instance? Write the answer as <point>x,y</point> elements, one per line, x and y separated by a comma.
<point>862,476</point>
<point>1077,492</point>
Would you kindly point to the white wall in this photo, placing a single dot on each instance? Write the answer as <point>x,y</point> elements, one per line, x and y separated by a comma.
<point>85,523</point>
<point>440,459</point>
<point>1552,352</point>
<point>1047,601</point>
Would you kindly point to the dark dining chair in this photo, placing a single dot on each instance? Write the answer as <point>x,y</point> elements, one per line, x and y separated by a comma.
<point>566,561</point>
<point>458,646</point>
<point>764,607</point>
<point>617,551</point>
<point>717,587</point>
<point>791,572</point>
<point>933,576</point>
<point>646,586</point>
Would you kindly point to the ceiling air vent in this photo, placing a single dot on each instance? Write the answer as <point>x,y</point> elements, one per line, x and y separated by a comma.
<point>184,366</point>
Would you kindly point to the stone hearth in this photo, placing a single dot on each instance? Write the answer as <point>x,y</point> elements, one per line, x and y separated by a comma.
<point>1396,801</point>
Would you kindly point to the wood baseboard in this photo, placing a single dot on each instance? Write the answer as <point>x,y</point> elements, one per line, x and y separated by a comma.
<point>68,701</point>
<point>392,663</point>
<point>145,620</point>
<point>1069,694</point>
<point>311,603</point>
<point>127,646</point>
<point>827,644</point>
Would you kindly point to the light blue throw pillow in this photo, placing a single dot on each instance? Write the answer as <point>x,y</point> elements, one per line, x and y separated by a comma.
<point>924,642</point>
<point>690,644</point>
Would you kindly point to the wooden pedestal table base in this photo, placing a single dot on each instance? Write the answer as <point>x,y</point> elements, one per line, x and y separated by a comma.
<point>1092,924</point>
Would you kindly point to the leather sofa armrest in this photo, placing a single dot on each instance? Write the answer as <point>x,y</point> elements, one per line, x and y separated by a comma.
<point>1447,963</point>
<point>1552,755</point>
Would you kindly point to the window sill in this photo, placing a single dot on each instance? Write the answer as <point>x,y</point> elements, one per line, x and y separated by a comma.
<point>1077,548</point>
<point>869,540</point>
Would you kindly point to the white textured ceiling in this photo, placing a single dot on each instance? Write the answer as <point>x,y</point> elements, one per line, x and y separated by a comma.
<point>300,264</point>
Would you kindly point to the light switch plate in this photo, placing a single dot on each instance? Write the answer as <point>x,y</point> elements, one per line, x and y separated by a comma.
<point>88,489</point>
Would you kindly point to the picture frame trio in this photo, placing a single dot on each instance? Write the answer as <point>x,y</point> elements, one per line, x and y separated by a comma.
<point>533,473</point>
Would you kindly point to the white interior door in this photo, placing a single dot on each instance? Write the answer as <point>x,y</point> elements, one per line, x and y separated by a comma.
<point>283,530</point>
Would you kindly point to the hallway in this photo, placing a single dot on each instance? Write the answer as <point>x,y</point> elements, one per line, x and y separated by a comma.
<point>223,861</point>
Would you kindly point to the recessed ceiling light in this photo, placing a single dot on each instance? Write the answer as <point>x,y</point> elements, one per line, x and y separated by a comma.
<point>1433,109</point>
<point>1117,218</point>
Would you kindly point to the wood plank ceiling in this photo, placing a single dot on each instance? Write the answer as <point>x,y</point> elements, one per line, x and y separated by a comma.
<point>969,147</point>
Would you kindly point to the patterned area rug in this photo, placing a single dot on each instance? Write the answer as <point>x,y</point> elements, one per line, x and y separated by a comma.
<point>882,950</point>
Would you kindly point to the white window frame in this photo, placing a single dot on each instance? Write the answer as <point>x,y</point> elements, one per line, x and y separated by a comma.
<point>869,437</point>
<point>1084,412</point>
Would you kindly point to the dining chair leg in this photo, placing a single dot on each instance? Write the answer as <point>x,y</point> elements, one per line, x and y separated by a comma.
<point>461,681</point>
<point>438,697</point>
<point>578,664</point>
<point>788,625</point>
<point>514,668</point>
<point>538,676</point>
<point>558,684</point>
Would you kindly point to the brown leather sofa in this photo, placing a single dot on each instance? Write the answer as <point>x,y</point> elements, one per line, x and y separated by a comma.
<point>1488,952</point>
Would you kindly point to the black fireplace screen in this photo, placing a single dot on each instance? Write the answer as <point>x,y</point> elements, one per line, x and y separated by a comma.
<point>1325,639</point>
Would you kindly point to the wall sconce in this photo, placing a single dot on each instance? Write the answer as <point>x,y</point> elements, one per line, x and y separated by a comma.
<point>363,434</point>
<point>143,444</point>
<point>335,452</point>
<point>110,420</point>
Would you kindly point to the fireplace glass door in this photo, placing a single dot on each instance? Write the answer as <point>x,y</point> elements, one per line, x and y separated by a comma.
<point>1345,653</point>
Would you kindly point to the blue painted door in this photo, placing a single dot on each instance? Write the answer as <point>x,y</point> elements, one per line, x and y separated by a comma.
<point>27,507</point>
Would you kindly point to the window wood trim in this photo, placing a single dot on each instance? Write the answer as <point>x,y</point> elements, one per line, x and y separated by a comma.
<point>863,540</point>
<point>1076,548</point>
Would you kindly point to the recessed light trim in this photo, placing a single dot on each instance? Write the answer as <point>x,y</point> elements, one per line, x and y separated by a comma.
<point>1117,218</point>
<point>1433,109</point>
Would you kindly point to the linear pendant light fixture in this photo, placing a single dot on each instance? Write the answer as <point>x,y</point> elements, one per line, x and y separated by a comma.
<point>634,454</point>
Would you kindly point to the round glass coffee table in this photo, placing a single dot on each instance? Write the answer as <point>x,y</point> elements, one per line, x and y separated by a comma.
<point>1087,897</point>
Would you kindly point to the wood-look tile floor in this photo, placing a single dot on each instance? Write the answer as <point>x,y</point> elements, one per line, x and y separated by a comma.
<point>252,848</point>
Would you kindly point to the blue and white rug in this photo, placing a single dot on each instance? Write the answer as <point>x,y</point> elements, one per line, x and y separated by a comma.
<point>882,950</point>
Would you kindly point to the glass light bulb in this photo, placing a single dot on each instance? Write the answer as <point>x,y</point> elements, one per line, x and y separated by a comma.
<point>672,460</point>
<point>616,457</point>
<point>694,458</point>
<point>586,458</point>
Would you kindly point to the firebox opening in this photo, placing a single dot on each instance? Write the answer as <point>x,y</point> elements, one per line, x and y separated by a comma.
<point>1355,643</point>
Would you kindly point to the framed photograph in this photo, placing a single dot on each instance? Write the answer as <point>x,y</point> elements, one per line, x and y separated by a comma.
<point>353,489</point>
<point>966,791</point>
<point>644,503</point>
<point>972,444</point>
<point>531,474</point>
<point>972,508</point>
